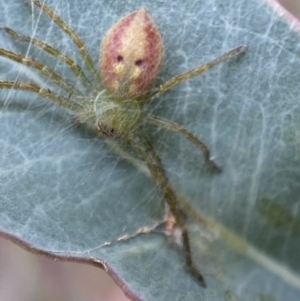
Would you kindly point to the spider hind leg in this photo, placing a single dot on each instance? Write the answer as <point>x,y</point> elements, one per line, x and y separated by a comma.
<point>70,32</point>
<point>74,67</point>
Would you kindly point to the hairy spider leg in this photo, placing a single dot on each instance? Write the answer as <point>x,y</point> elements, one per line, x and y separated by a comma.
<point>42,69</point>
<point>45,93</point>
<point>196,71</point>
<point>154,164</point>
<point>71,33</point>
<point>175,127</point>
<point>73,66</point>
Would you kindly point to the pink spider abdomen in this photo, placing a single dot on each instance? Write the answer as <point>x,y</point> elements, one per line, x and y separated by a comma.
<point>131,55</point>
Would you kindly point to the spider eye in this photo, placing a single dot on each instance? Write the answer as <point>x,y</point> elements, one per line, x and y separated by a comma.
<point>120,58</point>
<point>108,131</point>
<point>139,62</point>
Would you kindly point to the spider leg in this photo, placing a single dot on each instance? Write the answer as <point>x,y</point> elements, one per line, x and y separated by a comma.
<point>154,164</point>
<point>70,32</point>
<point>196,71</point>
<point>175,127</point>
<point>45,93</point>
<point>42,69</point>
<point>75,68</point>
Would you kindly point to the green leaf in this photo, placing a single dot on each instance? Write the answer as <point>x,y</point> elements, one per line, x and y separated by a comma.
<point>65,192</point>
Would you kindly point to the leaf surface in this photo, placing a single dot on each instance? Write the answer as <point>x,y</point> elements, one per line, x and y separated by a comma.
<point>65,192</point>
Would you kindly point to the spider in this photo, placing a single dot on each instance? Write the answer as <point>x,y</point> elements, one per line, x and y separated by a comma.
<point>131,56</point>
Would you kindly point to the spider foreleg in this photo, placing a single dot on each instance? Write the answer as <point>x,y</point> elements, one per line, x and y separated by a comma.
<point>175,127</point>
<point>154,164</point>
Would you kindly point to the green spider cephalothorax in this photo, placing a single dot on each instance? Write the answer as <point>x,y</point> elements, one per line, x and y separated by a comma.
<point>115,116</point>
<point>130,59</point>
